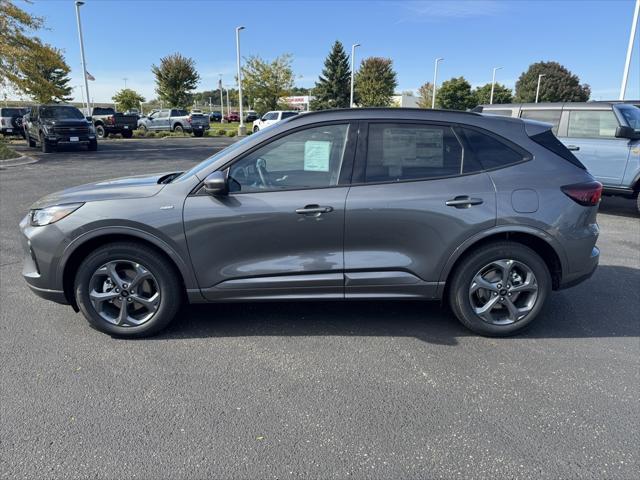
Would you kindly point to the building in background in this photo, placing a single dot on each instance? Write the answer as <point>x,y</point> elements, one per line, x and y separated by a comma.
<point>406,101</point>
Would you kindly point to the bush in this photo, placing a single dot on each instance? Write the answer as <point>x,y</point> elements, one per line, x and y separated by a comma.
<point>5,152</point>
<point>222,131</point>
<point>231,133</point>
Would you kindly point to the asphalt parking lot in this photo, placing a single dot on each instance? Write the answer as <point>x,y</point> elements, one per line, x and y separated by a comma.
<point>314,390</point>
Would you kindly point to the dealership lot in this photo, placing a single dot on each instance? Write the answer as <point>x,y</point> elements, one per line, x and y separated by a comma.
<point>375,389</point>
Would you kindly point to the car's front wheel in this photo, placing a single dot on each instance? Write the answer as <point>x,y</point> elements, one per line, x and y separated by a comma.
<point>499,289</point>
<point>127,290</point>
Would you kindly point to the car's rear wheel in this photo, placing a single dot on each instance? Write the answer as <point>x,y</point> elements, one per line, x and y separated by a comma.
<point>127,134</point>
<point>178,129</point>
<point>499,289</point>
<point>198,133</point>
<point>127,290</point>
<point>101,132</point>
<point>143,130</point>
<point>255,129</point>
<point>92,146</point>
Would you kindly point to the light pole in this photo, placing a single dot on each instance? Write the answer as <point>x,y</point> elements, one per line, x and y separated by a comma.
<point>228,104</point>
<point>242,130</point>
<point>632,35</point>
<point>493,83</point>
<point>435,79</point>
<point>79,3</point>
<point>353,55</point>
<point>125,81</point>
<point>221,100</point>
<point>538,89</point>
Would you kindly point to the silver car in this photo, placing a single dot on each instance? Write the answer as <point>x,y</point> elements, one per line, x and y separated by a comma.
<point>489,214</point>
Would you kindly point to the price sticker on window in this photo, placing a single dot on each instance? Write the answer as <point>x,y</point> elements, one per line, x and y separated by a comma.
<point>316,156</point>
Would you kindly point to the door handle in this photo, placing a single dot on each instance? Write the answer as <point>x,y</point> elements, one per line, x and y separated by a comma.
<point>573,147</point>
<point>314,210</point>
<point>463,201</point>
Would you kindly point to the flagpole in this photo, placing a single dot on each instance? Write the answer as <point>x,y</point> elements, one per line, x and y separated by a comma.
<point>79,3</point>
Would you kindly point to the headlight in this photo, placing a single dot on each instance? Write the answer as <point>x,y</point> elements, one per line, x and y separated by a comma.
<point>92,129</point>
<point>46,216</point>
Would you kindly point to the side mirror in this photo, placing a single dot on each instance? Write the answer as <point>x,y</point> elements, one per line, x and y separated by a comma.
<point>89,118</point>
<point>216,184</point>
<point>624,131</point>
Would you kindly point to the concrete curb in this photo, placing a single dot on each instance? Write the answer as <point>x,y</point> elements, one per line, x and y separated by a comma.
<point>16,162</point>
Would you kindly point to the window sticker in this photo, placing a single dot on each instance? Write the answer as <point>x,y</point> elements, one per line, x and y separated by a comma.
<point>316,156</point>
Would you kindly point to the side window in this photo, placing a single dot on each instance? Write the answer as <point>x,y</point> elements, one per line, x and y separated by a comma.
<point>491,152</point>
<point>163,114</point>
<point>397,152</point>
<point>309,158</point>
<point>548,116</point>
<point>288,114</point>
<point>502,113</point>
<point>270,116</point>
<point>592,124</point>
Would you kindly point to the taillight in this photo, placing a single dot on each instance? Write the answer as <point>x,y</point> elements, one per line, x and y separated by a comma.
<point>189,119</point>
<point>587,193</point>
<point>111,120</point>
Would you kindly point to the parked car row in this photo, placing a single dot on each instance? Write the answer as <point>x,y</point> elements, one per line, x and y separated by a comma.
<point>174,120</point>
<point>11,119</point>
<point>604,136</point>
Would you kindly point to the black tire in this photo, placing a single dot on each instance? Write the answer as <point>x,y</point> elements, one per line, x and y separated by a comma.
<point>44,145</point>
<point>127,134</point>
<point>255,129</point>
<point>178,129</point>
<point>92,146</point>
<point>198,133</point>
<point>163,272</point>
<point>101,132</point>
<point>143,130</point>
<point>471,264</point>
<point>31,141</point>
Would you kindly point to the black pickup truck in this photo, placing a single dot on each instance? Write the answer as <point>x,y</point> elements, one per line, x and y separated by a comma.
<point>107,121</point>
<point>53,125</point>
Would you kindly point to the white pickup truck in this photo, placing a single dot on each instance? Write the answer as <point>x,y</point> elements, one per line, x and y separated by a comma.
<point>272,117</point>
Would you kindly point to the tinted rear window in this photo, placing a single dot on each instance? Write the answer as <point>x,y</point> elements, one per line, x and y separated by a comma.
<point>549,141</point>
<point>103,111</point>
<point>288,114</point>
<point>11,112</point>
<point>491,152</point>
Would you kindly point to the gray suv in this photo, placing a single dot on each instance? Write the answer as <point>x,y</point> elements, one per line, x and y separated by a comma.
<point>485,212</point>
<point>605,136</point>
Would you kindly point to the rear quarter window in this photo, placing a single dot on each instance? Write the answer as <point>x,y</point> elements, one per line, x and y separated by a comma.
<point>547,116</point>
<point>549,141</point>
<point>492,152</point>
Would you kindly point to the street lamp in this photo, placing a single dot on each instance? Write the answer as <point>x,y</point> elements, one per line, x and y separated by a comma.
<point>353,54</point>
<point>242,130</point>
<point>79,3</point>
<point>538,89</point>
<point>435,79</point>
<point>493,83</point>
<point>221,100</point>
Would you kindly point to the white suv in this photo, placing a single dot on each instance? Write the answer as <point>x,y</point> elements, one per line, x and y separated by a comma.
<point>272,117</point>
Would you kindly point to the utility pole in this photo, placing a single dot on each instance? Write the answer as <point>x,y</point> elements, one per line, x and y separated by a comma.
<point>493,84</point>
<point>435,80</point>
<point>353,64</point>
<point>242,130</point>
<point>538,88</point>
<point>221,100</point>
<point>627,63</point>
<point>79,3</point>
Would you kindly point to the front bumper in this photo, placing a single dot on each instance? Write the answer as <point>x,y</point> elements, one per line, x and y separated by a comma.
<point>60,139</point>
<point>39,266</point>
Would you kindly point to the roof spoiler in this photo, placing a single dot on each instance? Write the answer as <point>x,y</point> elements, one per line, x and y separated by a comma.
<point>534,127</point>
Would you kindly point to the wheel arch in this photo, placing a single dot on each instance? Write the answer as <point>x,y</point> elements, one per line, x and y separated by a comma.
<point>78,251</point>
<point>540,242</point>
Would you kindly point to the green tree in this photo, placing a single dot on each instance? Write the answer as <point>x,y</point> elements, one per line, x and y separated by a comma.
<point>501,94</point>
<point>267,83</point>
<point>333,88</point>
<point>375,82</point>
<point>558,84</point>
<point>126,99</point>
<point>425,93</point>
<point>43,74</point>
<point>176,78</point>
<point>455,94</point>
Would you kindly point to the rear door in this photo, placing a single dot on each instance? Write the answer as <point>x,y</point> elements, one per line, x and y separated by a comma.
<point>417,195</point>
<point>590,135</point>
<point>279,232</point>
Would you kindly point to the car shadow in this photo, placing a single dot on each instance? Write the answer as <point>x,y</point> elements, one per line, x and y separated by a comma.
<point>619,206</point>
<point>607,305</point>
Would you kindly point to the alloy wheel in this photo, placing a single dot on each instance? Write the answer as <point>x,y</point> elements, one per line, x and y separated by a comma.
<point>124,293</point>
<point>503,292</point>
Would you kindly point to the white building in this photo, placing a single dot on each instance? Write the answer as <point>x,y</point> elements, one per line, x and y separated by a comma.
<point>406,101</point>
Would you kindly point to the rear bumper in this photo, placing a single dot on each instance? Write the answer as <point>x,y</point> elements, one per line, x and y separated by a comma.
<point>575,278</point>
<point>11,131</point>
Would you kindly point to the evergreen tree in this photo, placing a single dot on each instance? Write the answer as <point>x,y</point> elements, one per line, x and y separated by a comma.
<point>43,74</point>
<point>127,99</point>
<point>176,78</point>
<point>375,82</point>
<point>501,94</point>
<point>455,94</point>
<point>333,88</point>
<point>558,84</point>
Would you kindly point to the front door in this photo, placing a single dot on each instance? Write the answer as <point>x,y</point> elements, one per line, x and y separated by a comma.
<point>591,138</point>
<point>279,232</point>
<point>420,197</point>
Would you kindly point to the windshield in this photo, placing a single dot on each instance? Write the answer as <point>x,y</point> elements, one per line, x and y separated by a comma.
<point>209,161</point>
<point>61,113</point>
<point>631,114</point>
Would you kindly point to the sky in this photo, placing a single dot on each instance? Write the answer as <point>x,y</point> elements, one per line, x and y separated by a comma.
<point>123,38</point>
